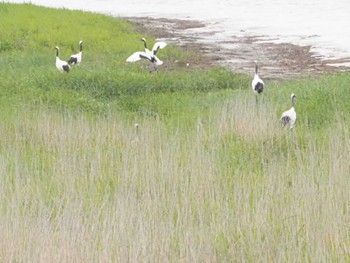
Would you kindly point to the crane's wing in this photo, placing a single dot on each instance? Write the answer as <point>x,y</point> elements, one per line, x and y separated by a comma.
<point>259,87</point>
<point>157,60</point>
<point>286,117</point>
<point>157,46</point>
<point>73,59</point>
<point>285,120</point>
<point>138,56</point>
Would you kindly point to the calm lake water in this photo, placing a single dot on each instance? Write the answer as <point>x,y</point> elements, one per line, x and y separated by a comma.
<point>323,24</point>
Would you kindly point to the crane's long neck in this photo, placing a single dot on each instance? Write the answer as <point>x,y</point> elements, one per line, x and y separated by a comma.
<point>256,68</point>
<point>293,102</point>
<point>144,43</point>
<point>156,50</point>
<point>81,47</point>
<point>56,53</point>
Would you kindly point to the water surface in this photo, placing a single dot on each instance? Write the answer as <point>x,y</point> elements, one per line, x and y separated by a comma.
<point>323,24</point>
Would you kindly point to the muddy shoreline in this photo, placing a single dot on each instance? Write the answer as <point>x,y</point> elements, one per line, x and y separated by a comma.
<point>237,53</point>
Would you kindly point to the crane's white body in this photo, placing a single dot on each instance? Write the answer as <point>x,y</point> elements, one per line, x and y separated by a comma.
<point>146,55</point>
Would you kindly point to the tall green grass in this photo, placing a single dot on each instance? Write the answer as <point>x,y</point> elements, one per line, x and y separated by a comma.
<point>209,175</point>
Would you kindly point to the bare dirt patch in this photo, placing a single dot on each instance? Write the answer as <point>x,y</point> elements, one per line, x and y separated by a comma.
<point>277,61</point>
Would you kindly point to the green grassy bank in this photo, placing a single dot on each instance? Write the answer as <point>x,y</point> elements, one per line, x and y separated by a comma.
<point>209,176</point>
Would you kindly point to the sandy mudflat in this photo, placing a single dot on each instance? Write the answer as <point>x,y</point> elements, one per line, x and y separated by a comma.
<point>277,61</point>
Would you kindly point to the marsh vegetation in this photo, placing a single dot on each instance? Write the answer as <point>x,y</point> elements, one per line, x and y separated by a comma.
<point>209,175</point>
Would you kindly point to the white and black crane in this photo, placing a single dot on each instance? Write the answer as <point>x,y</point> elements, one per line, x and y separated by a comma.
<point>61,65</point>
<point>150,55</point>
<point>289,117</point>
<point>257,83</point>
<point>76,58</point>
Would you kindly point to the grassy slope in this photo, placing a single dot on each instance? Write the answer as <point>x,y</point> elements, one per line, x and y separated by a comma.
<point>210,176</point>
<point>29,35</point>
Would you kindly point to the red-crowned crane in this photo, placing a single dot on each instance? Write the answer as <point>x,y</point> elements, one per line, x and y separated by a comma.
<point>290,116</point>
<point>257,83</point>
<point>76,58</point>
<point>148,54</point>
<point>60,64</point>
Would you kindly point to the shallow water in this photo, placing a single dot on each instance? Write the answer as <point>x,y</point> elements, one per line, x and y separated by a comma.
<point>323,24</point>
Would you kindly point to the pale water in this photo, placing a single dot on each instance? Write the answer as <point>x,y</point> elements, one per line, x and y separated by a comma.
<point>323,24</point>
